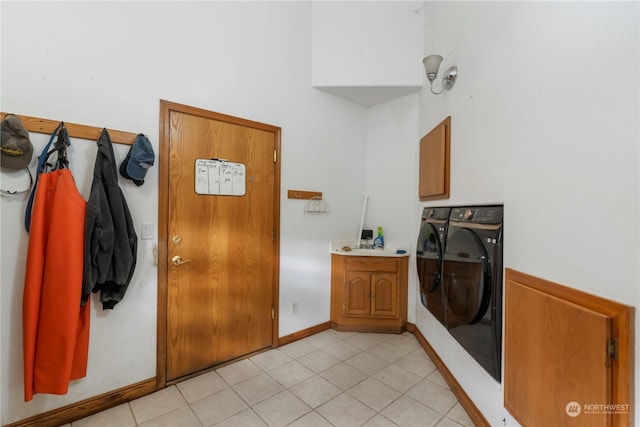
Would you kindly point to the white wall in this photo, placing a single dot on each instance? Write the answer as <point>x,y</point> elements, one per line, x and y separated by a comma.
<point>108,64</point>
<point>544,119</point>
<point>364,43</point>
<point>391,171</point>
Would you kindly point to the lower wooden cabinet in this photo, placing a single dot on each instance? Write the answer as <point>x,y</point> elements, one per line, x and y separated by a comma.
<point>369,294</point>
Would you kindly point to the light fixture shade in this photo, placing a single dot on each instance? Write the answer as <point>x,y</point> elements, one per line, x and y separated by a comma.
<point>431,65</point>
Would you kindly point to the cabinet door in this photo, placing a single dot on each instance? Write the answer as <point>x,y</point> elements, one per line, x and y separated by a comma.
<point>434,162</point>
<point>384,295</point>
<point>357,293</point>
<point>556,361</point>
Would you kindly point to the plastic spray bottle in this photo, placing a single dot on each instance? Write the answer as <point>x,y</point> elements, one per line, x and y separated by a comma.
<point>378,242</point>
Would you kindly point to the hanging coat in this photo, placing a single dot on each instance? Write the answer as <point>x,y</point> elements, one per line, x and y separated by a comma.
<point>111,243</point>
<point>55,326</point>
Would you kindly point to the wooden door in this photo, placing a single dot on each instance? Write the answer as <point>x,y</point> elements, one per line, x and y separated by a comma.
<point>217,300</point>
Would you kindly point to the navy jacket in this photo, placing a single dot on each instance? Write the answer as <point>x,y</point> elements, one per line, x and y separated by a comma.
<point>111,242</point>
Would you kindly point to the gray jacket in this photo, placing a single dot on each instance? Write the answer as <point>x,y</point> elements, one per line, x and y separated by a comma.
<point>111,243</point>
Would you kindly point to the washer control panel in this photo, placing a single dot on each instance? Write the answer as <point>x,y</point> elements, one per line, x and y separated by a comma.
<point>478,214</point>
<point>435,213</point>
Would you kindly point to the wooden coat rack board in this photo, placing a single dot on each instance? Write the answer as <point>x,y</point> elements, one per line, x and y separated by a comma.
<point>304,195</point>
<point>92,133</point>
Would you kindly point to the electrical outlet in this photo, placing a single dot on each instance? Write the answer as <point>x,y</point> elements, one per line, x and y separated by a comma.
<point>294,308</point>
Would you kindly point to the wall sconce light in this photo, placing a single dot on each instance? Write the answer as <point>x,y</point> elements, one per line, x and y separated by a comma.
<point>431,66</point>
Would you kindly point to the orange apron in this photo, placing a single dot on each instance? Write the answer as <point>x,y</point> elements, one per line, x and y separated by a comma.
<point>55,326</point>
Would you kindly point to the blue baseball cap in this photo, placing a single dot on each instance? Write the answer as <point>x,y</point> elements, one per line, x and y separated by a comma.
<point>139,159</point>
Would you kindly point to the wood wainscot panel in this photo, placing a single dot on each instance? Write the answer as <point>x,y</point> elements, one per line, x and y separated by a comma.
<point>568,355</point>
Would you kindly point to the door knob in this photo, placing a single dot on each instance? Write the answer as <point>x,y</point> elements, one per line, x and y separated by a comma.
<point>177,260</point>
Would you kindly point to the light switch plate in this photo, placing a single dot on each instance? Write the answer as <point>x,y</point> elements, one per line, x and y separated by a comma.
<point>147,231</point>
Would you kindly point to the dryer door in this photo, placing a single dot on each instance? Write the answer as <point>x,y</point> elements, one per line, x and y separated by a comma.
<point>429,264</point>
<point>466,278</point>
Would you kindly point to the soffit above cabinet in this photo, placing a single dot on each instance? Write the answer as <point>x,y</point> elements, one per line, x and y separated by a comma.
<point>367,52</point>
<point>369,96</point>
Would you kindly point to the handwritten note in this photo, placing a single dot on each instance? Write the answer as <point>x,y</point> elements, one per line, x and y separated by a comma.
<point>220,177</point>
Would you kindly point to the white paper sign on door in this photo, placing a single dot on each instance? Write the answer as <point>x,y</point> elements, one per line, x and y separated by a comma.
<point>220,178</point>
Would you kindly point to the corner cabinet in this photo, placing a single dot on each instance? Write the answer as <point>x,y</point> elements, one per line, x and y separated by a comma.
<point>369,293</point>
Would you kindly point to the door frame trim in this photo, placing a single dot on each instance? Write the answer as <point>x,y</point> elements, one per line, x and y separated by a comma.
<point>166,107</point>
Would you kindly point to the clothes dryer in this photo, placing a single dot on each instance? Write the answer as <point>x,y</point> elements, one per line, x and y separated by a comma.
<point>472,283</point>
<point>430,250</point>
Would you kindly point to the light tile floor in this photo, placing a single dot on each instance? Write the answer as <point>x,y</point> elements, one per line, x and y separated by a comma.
<point>332,378</point>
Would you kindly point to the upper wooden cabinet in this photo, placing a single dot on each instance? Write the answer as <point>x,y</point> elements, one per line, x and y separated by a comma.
<point>434,162</point>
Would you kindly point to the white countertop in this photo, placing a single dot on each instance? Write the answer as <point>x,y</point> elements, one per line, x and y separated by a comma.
<point>391,249</point>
